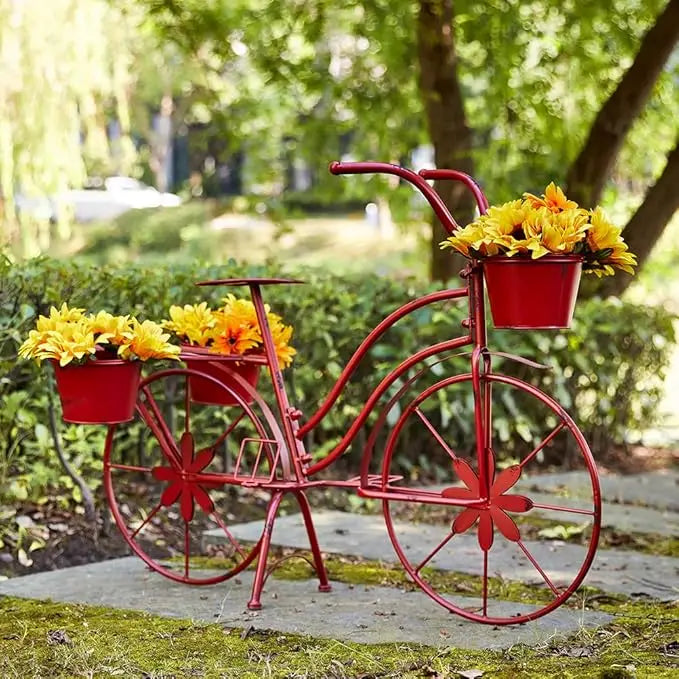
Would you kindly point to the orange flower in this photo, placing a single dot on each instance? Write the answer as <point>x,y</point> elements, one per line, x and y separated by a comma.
<point>553,199</point>
<point>232,336</point>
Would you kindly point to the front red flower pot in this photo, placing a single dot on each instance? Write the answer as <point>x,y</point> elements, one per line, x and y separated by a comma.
<point>98,392</point>
<point>207,392</point>
<point>532,293</point>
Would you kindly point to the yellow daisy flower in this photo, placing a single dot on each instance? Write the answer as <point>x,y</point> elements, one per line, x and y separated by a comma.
<point>147,340</point>
<point>191,323</point>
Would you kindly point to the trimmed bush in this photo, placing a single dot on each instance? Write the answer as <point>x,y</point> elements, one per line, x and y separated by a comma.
<point>607,371</point>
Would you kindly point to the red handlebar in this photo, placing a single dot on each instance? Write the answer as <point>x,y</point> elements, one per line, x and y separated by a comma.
<point>433,198</point>
<point>419,181</point>
<point>456,175</point>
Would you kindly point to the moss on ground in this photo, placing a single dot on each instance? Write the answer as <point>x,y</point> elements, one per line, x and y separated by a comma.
<point>45,639</point>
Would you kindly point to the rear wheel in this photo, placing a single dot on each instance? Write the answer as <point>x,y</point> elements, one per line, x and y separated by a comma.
<point>171,516</point>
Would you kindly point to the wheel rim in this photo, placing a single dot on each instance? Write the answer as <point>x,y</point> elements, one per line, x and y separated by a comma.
<point>166,526</point>
<point>486,533</point>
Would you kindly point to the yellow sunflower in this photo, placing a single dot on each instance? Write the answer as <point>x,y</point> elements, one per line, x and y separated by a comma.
<point>109,328</point>
<point>61,315</point>
<point>282,334</point>
<point>67,342</point>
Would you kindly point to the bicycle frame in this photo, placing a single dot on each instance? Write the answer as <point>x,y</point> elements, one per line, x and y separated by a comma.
<point>475,323</point>
<point>482,503</point>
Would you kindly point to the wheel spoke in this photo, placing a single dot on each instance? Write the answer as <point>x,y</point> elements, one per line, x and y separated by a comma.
<point>130,468</point>
<point>435,551</point>
<point>159,429</point>
<point>536,565</point>
<point>561,508</point>
<point>231,427</point>
<point>151,514</point>
<point>234,543</point>
<point>187,548</point>
<point>435,434</point>
<point>542,444</point>
<point>485,582</point>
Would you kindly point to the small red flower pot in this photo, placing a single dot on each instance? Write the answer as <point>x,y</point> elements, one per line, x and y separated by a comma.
<point>98,392</point>
<point>207,392</point>
<point>532,293</point>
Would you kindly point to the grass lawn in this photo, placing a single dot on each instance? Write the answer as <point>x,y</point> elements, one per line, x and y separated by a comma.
<point>203,232</point>
<point>46,639</point>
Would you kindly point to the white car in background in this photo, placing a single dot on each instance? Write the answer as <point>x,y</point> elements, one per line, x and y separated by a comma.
<point>115,196</point>
<point>103,199</point>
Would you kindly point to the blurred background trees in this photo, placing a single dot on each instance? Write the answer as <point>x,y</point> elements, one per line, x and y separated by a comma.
<point>233,97</point>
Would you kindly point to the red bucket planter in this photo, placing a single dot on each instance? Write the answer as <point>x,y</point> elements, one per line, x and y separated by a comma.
<point>98,392</point>
<point>209,393</point>
<point>532,293</point>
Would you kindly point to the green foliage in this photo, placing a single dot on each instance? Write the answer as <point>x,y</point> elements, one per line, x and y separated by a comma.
<point>607,371</point>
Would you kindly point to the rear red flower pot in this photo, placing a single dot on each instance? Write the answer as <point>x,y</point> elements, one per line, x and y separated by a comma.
<point>209,392</point>
<point>97,360</point>
<point>532,252</point>
<point>221,342</point>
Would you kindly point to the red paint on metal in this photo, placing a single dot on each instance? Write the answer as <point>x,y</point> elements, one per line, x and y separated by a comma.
<point>482,501</point>
<point>456,175</point>
<point>437,204</point>
<point>252,281</point>
<point>98,392</point>
<point>532,293</point>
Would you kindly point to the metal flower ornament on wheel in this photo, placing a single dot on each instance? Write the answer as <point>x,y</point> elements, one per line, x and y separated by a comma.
<point>206,448</point>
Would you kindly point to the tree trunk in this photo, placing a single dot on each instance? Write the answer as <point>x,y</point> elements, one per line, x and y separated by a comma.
<point>648,222</point>
<point>448,129</point>
<point>590,171</point>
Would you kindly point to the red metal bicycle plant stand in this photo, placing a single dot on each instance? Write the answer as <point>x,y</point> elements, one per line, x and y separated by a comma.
<point>197,461</point>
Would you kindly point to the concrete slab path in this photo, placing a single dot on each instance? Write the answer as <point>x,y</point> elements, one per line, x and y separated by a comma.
<point>349,613</point>
<point>624,572</point>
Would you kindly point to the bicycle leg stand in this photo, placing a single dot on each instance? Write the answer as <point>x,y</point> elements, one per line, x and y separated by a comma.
<point>324,584</point>
<point>255,602</point>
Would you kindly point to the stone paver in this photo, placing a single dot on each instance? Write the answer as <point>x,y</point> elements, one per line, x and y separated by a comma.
<point>361,614</point>
<point>624,572</point>
<point>623,517</point>
<point>658,489</point>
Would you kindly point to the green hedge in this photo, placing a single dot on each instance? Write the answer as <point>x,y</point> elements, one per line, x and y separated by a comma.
<point>607,371</point>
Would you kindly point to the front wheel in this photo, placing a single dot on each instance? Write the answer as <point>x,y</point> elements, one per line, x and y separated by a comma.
<point>483,530</point>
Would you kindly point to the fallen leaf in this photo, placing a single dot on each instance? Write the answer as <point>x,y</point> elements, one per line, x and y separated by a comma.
<point>58,636</point>
<point>670,649</point>
<point>470,674</point>
<point>23,558</point>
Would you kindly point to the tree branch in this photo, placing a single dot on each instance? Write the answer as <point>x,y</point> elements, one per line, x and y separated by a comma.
<point>590,171</point>
<point>86,493</point>
<point>647,224</point>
